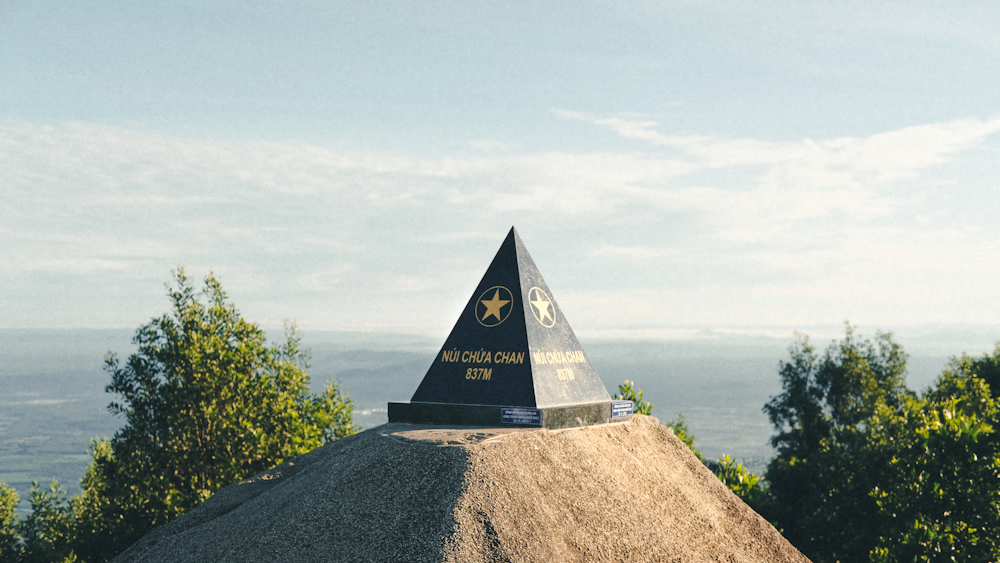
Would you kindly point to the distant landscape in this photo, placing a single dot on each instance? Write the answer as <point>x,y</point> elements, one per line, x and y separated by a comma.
<point>52,399</point>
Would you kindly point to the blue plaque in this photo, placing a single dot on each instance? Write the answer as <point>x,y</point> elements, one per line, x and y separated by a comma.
<point>531,417</point>
<point>621,409</point>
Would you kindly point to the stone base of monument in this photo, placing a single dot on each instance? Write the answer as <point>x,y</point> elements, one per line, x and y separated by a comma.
<point>615,493</point>
<point>552,418</point>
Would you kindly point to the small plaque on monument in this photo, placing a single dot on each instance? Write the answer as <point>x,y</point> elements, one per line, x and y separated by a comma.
<point>621,409</point>
<point>511,359</point>
<point>517,415</point>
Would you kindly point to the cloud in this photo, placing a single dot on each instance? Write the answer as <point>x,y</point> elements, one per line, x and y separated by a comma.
<point>75,266</point>
<point>604,250</point>
<point>80,168</point>
<point>494,146</point>
<point>797,180</point>
<point>692,212</point>
<point>625,127</point>
<point>324,280</point>
<point>882,157</point>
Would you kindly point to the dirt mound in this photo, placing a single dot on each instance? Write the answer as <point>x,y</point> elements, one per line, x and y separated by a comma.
<point>618,492</point>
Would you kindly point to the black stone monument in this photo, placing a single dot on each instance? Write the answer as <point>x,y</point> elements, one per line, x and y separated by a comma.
<point>512,359</point>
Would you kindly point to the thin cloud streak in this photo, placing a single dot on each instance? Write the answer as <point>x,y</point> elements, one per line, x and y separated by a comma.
<point>883,157</point>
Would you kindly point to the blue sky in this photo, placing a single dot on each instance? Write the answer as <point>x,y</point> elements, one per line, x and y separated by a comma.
<point>673,167</point>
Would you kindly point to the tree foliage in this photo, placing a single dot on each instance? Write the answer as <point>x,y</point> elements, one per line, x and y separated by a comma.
<point>866,469</point>
<point>940,499</point>
<point>740,481</point>
<point>206,403</point>
<point>48,531</point>
<point>8,521</point>
<point>824,469</point>
<point>45,535</point>
<point>628,392</point>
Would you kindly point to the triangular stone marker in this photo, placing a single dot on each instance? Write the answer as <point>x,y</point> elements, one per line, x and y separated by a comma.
<point>512,358</point>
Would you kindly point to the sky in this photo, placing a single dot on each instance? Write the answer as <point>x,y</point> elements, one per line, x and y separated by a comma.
<point>674,168</point>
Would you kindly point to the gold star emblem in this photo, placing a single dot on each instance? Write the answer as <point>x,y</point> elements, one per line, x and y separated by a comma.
<point>490,311</point>
<point>493,306</point>
<point>543,311</point>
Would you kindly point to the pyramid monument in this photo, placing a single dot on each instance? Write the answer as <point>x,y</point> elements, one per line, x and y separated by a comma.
<point>511,359</point>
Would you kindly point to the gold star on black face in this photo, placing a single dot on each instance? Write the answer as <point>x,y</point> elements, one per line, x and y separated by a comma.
<point>493,306</point>
<point>542,307</point>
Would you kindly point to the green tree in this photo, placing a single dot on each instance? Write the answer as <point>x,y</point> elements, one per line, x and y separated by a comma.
<point>628,392</point>
<point>48,531</point>
<point>206,403</point>
<point>8,523</point>
<point>824,470</point>
<point>45,535</point>
<point>940,500</point>
<point>986,368</point>
<point>740,481</point>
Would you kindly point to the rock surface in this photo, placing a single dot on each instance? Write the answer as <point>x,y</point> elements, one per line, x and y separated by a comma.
<point>617,492</point>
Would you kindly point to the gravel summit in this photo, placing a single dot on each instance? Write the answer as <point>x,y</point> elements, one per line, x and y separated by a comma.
<point>627,491</point>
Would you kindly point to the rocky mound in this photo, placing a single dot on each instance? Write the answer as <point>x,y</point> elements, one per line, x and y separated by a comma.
<point>617,492</point>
